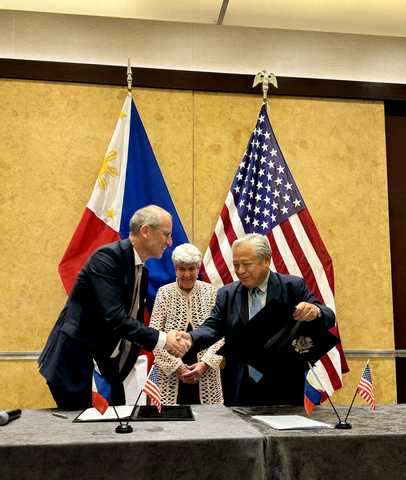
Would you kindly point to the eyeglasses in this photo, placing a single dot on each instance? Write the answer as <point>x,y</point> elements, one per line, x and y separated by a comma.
<point>167,232</point>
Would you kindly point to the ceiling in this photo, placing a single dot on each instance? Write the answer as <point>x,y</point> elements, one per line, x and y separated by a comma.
<point>366,17</point>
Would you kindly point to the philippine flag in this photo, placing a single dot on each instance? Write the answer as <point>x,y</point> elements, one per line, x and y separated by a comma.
<point>101,390</point>
<point>129,179</point>
<point>313,394</point>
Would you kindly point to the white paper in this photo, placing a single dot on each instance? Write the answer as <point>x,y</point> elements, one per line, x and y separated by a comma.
<point>290,422</point>
<point>135,381</point>
<point>91,413</point>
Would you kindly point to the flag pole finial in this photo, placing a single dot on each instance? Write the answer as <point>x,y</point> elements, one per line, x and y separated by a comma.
<point>265,78</point>
<point>129,78</point>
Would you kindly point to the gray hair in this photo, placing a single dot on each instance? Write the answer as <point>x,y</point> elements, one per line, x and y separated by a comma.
<point>186,253</point>
<point>260,244</point>
<point>150,215</point>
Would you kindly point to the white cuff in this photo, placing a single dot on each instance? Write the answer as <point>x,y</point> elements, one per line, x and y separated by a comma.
<point>161,341</point>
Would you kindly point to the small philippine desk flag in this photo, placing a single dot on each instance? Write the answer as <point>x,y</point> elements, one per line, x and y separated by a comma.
<point>101,390</point>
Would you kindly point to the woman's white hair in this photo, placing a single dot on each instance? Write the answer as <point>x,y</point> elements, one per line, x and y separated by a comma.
<point>186,253</point>
<point>260,244</point>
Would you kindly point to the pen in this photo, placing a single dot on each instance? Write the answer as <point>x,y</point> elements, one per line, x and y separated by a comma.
<point>237,410</point>
<point>60,415</point>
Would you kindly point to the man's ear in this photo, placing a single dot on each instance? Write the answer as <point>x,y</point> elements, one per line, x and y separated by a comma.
<point>144,230</point>
<point>268,259</point>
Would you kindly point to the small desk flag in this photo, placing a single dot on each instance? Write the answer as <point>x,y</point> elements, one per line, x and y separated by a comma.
<point>101,390</point>
<point>151,387</point>
<point>312,394</point>
<point>365,388</point>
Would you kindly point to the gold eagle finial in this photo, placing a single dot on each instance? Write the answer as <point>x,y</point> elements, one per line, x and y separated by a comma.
<point>265,78</point>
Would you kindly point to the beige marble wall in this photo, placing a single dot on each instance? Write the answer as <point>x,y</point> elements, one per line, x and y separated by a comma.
<point>54,137</point>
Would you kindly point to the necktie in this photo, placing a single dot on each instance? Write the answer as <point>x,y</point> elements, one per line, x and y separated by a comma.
<point>255,308</point>
<point>126,344</point>
<point>136,303</point>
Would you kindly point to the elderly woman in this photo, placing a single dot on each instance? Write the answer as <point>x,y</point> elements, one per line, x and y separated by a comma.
<point>183,306</point>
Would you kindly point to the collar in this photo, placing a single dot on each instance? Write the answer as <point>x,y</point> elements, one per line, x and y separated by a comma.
<point>263,287</point>
<point>137,258</point>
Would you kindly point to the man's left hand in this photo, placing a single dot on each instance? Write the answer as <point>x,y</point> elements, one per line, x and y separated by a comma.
<point>305,312</point>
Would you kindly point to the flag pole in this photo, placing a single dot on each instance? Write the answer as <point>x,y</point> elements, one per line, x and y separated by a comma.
<point>129,79</point>
<point>355,394</point>
<point>126,428</point>
<point>340,424</point>
<point>136,402</point>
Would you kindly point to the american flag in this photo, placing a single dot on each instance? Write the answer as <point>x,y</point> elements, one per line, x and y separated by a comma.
<point>264,199</point>
<point>151,387</point>
<point>365,388</point>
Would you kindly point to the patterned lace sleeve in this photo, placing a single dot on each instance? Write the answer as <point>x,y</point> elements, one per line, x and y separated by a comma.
<point>165,361</point>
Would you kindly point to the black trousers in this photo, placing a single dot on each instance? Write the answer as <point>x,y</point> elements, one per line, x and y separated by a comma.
<point>69,400</point>
<point>83,398</point>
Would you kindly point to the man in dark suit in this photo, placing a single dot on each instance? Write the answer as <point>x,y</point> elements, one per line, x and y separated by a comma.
<point>103,318</point>
<point>252,259</point>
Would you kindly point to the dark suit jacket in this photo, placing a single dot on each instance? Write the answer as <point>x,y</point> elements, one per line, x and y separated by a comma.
<point>230,313</point>
<point>96,316</point>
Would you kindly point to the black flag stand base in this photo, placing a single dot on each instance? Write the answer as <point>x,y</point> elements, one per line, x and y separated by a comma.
<point>124,428</point>
<point>343,425</point>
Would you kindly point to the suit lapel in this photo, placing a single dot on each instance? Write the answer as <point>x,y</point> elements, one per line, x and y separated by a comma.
<point>274,287</point>
<point>241,302</point>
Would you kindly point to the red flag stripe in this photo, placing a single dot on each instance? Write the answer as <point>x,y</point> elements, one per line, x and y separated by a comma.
<point>218,260</point>
<point>317,268</point>
<point>300,259</point>
<point>332,373</point>
<point>276,255</point>
<point>318,245</point>
<point>205,277</point>
<point>228,227</point>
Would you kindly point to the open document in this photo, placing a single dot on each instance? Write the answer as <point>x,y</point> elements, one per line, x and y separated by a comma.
<point>290,422</point>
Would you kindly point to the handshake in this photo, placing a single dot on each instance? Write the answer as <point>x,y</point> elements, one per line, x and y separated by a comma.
<point>178,343</point>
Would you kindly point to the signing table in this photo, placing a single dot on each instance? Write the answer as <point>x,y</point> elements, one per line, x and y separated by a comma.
<point>219,444</point>
<point>374,449</point>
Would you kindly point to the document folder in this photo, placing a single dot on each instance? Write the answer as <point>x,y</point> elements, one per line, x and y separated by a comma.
<point>273,337</point>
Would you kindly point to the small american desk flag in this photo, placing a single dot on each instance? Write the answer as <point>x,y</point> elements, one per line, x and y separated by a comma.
<point>264,199</point>
<point>365,388</point>
<point>151,387</point>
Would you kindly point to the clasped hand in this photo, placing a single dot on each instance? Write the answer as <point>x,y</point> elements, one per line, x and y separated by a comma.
<point>191,373</point>
<point>177,343</point>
